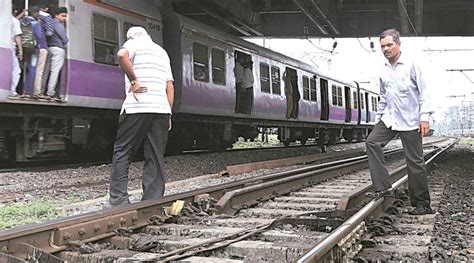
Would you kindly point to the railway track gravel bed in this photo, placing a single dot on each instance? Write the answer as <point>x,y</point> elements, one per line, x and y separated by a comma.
<point>445,236</point>
<point>18,186</point>
<point>283,243</point>
<point>405,239</point>
<point>84,189</point>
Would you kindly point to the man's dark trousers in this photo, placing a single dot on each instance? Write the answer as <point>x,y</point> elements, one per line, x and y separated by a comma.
<point>413,149</point>
<point>151,130</point>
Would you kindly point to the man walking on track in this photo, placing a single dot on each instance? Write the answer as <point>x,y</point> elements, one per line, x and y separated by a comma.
<point>145,118</point>
<point>404,109</point>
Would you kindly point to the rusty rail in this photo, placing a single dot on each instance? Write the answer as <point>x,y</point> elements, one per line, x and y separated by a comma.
<point>56,235</point>
<point>327,248</point>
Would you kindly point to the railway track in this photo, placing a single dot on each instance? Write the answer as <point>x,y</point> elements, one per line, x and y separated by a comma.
<point>16,191</point>
<point>273,218</point>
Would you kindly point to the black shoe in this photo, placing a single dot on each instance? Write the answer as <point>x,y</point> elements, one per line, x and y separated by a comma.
<point>421,210</point>
<point>384,193</point>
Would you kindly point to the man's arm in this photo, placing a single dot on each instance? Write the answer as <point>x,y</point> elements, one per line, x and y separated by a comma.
<point>425,100</point>
<point>170,95</point>
<point>37,30</point>
<point>19,47</point>
<point>382,103</point>
<point>170,92</point>
<point>126,64</point>
<point>61,31</point>
<point>127,67</point>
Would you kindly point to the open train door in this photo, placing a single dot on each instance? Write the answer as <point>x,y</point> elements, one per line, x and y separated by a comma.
<point>291,92</point>
<point>324,99</point>
<point>347,96</point>
<point>357,102</point>
<point>367,114</point>
<point>244,82</point>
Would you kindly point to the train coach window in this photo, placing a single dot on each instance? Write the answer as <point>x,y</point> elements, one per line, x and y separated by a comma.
<point>218,66</point>
<point>264,78</point>
<point>105,38</point>
<point>339,96</point>
<point>374,103</point>
<point>200,62</point>
<point>312,89</point>
<point>305,88</point>
<point>354,97</point>
<point>276,83</point>
<point>336,95</point>
<point>362,101</point>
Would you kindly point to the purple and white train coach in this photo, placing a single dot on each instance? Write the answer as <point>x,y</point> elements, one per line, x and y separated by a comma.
<point>209,112</point>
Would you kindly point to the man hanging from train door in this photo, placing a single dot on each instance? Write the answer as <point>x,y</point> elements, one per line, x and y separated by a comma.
<point>17,53</point>
<point>288,93</point>
<point>239,79</point>
<point>247,94</point>
<point>296,96</point>
<point>145,118</point>
<point>57,50</point>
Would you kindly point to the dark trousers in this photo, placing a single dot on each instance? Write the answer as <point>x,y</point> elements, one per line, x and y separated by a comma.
<point>412,147</point>
<point>246,101</point>
<point>151,130</point>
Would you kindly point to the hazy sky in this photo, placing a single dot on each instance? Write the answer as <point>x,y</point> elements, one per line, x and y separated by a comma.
<point>354,59</point>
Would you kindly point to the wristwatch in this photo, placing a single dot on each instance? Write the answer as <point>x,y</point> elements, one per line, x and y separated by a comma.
<point>132,82</point>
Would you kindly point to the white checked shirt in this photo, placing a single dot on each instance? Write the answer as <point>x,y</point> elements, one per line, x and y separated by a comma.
<point>404,95</point>
<point>151,65</point>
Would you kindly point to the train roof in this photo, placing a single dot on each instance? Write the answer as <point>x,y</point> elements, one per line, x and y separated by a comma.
<point>210,32</point>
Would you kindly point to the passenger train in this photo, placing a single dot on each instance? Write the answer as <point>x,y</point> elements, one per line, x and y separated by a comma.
<point>308,105</point>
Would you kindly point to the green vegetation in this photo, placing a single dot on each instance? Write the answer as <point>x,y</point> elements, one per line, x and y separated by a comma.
<point>466,140</point>
<point>20,214</point>
<point>74,197</point>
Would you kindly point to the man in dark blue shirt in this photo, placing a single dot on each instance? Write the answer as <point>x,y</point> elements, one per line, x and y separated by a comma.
<point>56,48</point>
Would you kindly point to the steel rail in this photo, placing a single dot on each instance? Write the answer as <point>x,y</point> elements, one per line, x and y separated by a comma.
<point>323,249</point>
<point>56,235</point>
<point>237,199</point>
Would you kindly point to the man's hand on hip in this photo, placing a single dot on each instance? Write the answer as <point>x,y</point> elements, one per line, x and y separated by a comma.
<point>137,88</point>
<point>424,128</point>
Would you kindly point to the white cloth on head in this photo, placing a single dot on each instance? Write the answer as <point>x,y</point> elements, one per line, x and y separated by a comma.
<point>135,32</point>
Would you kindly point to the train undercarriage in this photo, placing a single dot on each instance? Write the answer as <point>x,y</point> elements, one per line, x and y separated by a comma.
<point>201,132</point>
<point>32,134</point>
<point>37,133</point>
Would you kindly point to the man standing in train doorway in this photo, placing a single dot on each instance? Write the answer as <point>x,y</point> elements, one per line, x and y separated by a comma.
<point>145,118</point>
<point>404,109</point>
<point>247,89</point>
<point>57,43</point>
